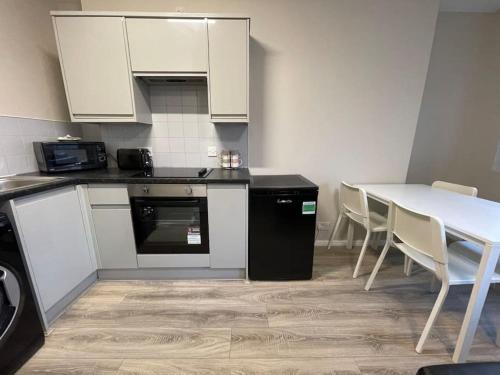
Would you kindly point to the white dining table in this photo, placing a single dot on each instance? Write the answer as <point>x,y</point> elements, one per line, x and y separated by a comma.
<point>470,218</point>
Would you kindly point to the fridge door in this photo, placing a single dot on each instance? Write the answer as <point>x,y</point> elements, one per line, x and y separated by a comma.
<point>281,235</point>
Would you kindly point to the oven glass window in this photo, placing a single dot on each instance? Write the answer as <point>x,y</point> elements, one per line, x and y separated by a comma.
<point>170,227</point>
<point>176,225</point>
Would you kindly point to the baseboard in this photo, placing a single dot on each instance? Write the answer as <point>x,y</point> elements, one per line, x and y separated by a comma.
<point>343,243</point>
<point>55,311</point>
<point>337,243</point>
<point>171,274</point>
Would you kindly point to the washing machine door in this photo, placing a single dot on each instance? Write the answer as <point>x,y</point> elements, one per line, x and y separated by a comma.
<point>10,296</point>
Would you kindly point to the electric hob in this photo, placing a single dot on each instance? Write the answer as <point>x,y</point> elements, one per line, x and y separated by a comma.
<point>175,173</point>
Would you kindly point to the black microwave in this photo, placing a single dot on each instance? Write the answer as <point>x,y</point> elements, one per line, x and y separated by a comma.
<point>70,156</point>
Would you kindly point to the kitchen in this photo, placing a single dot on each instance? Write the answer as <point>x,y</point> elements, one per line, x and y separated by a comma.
<point>169,195</point>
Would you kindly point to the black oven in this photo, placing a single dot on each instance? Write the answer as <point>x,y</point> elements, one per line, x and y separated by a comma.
<point>169,218</point>
<point>70,156</point>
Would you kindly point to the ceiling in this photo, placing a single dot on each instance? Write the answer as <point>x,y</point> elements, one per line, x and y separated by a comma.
<point>487,6</point>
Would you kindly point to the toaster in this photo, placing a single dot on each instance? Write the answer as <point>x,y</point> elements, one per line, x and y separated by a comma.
<point>134,158</point>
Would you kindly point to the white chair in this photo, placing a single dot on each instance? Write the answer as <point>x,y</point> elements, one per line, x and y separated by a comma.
<point>422,239</point>
<point>456,188</point>
<point>460,189</point>
<point>354,206</point>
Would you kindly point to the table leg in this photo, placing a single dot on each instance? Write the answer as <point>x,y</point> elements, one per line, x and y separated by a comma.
<point>486,268</point>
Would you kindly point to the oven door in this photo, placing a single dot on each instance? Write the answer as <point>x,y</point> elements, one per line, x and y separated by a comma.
<point>170,225</point>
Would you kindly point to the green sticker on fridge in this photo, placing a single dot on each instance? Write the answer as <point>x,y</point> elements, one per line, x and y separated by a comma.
<point>308,208</point>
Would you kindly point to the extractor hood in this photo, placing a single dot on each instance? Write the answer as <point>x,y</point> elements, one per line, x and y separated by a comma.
<point>172,78</point>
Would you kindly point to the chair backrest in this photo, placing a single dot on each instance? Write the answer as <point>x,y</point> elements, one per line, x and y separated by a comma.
<point>354,199</point>
<point>460,189</point>
<point>423,233</point>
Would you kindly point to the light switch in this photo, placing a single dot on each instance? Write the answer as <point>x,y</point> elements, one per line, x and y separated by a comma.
<point>212,151</point>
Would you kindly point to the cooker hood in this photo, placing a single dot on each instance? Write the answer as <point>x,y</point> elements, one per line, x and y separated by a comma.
<point>172,78</point>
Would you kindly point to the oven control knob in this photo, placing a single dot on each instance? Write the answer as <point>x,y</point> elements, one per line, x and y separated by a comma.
<point>189,190</point>
<point>145,189</point>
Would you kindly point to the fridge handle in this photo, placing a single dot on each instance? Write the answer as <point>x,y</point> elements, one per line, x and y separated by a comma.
<point>284,201</point>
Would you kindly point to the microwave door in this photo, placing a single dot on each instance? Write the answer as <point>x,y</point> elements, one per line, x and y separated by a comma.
<point>66,156</point>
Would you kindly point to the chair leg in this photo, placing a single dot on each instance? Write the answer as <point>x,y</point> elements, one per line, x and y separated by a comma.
<point>434,314</point>
<point>378,264</point>
<point>434,283</point>
<point>373,242</point>
<point>405,265</point>
<point>350,234</point>
<point>362,254</point>
<point>409,267</point>
<point>380,237</point>
<point>335,230</point>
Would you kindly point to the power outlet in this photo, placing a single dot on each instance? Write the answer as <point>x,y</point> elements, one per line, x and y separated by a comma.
<point>323,225</point>
<point>212,151</point>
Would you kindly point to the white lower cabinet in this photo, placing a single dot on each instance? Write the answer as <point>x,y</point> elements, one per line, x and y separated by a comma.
<point>115,237</point>
<point>227,223</point>
<point>53,236</point>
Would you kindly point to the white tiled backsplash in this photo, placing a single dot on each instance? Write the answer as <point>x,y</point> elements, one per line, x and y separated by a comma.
<point>16,141</point>
<point>181,132</point>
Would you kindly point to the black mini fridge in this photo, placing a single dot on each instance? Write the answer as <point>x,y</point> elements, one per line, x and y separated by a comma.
<point>282,222</point>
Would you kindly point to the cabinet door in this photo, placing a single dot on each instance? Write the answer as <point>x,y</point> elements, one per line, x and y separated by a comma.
<point>115,237</point>
<point>167,45</point>
<point>228,66</point>
<point>227,220</point>
<point>96,72</point>
<point>55,243</point>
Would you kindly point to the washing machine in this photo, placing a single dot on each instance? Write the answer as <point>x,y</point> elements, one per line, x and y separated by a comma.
<point>21,331</point>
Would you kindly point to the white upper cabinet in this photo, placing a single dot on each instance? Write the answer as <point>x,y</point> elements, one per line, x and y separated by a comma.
<point>168,45</point>
<point>228,69</point>
<point>105,56</point>
<point>94,60</point>
<point>95,65</point>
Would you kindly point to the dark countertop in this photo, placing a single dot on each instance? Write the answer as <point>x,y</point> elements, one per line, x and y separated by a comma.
<point>118,176</point>
<point>281,182</point>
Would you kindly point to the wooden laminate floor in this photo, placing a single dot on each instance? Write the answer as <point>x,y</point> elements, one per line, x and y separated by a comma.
<point>329,325</point>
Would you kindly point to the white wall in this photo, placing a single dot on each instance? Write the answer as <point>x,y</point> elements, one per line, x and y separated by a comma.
<point>32,100</point>
<point>31,78</point>
<point>458,133</point>
<point>335,85</point>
